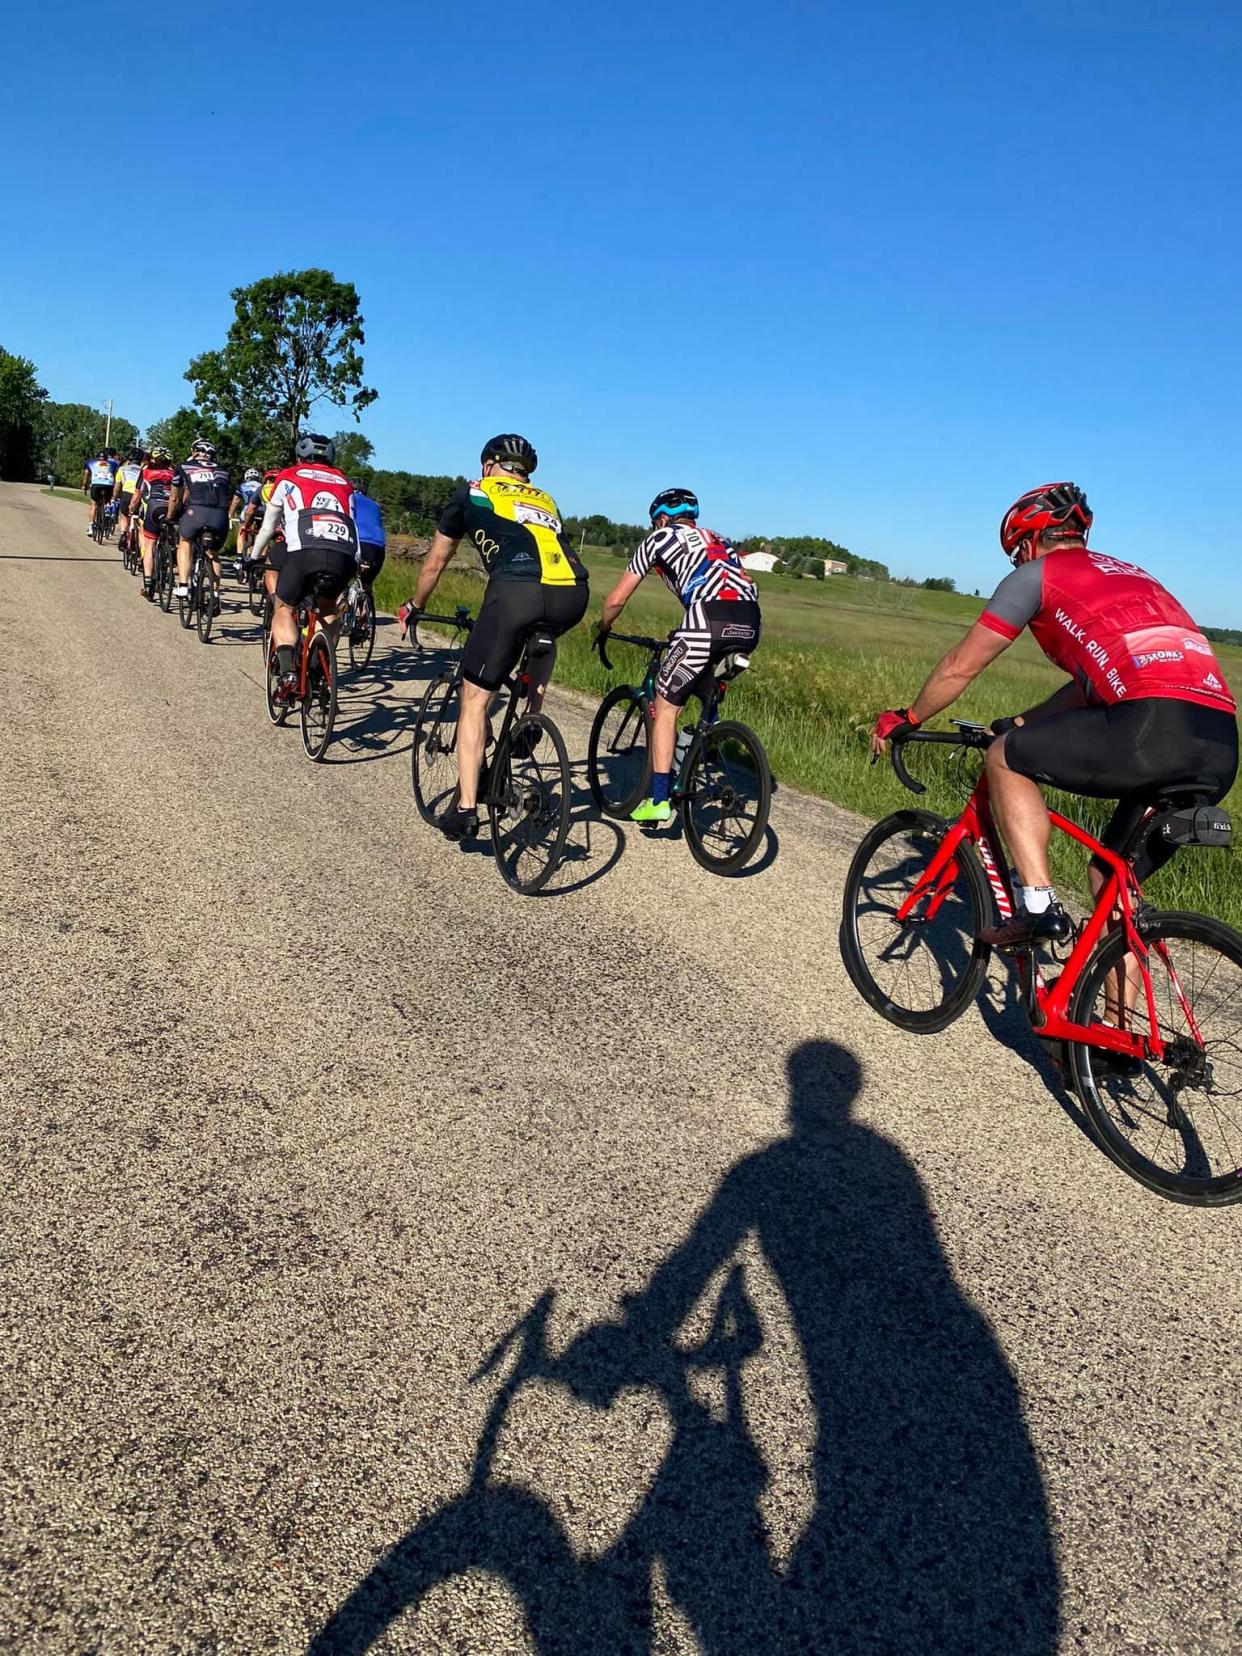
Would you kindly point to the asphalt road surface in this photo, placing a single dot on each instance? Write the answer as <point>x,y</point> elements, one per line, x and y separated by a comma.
<point>824,1338</point>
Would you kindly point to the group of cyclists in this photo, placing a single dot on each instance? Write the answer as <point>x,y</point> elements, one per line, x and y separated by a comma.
<point>1145,706</point>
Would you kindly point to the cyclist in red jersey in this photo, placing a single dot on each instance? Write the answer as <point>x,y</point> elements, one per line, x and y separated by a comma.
<point>1146,706</point>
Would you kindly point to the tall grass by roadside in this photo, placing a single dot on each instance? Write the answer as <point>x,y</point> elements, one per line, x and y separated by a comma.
<point>833,655</point>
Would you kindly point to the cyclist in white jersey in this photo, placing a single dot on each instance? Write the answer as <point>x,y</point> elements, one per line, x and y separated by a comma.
<point>722,614</point>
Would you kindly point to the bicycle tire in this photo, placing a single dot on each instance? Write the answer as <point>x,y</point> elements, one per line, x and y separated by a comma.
<point>956,956</point>
<point>1128,1126</point>
<point>256,596</point>
<point>433,757</point>
<point>277,712</point>
<point>186,605</point>
<point>205,601</point>
<point>265,623</point>
<point>537,801</point>
<point>164,578</point>
<point>715,780</point>
<point>362,633</point>
<point>319,702</point>
<point>619,781</point>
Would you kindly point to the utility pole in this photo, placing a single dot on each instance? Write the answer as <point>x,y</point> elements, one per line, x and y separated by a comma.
<point>108,426</point>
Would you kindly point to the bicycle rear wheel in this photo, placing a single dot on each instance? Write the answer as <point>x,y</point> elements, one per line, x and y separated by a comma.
<point>256,595</point>
<point>530,804</point>
<point>433,759</point>
<point>922,972</point>
<point>726,797</point>
<point>205,600</point>
<point>1174,1125</point>
<point>619,751</point>
<point>164,577</point>
<point>362,633</point>
<point>277,712</point>
<point>319,702</point>
<point>186,606</point>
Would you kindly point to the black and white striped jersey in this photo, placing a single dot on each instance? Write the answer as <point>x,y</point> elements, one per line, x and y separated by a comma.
<point>695,564</point>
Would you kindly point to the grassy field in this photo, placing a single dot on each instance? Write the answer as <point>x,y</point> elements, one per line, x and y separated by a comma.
<point>834,653</point>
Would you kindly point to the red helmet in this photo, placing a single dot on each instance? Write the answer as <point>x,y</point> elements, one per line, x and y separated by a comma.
<point>1055,506</point>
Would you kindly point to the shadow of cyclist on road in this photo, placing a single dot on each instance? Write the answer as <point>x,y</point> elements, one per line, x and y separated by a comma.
<point>928,1529</point>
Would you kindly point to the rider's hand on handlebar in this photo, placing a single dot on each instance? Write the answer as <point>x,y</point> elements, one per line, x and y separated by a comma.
<point>887,725</point>
<point>998,727</point>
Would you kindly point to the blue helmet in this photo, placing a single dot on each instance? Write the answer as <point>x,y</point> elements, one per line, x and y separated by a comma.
<point>675,503</point>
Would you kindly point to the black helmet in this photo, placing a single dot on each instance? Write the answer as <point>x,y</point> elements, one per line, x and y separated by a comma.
<point>510,450</point>
<point>674,503</point>
<point>135,456</point>
<point>314,447</point>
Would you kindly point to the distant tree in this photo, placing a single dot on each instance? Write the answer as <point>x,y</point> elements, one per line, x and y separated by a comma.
<point>180,429</point>
<point>70,433</point>
<point>778,567</point>
<point>939,583</point>
<point>353,455</point>
<point>21,407</point>
<point>295,341</point>
<point>816,568</point>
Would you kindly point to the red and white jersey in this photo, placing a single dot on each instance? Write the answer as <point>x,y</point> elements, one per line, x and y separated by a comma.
<point>317,508</point>
<point>1112,626</point>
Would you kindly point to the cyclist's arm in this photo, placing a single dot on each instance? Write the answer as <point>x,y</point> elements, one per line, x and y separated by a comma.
<point>618,598</point>
<point>271,522</point>
<point>960,667</point>
<point>235,506</point>
<point>441,550</point>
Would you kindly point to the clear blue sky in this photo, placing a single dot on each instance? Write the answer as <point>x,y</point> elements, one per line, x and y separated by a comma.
<point>866,271</point>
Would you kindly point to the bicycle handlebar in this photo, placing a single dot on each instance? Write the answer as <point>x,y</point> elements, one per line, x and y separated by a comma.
<point>971,736</point>
<point>460,618</point>
<point>601,642</point>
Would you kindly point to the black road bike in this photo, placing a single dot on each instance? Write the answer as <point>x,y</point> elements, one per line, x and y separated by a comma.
<point>358,623</point>
<point>722,783</point>
<point>202,599</point>
<point>164,564</point>
<point>525,785</point>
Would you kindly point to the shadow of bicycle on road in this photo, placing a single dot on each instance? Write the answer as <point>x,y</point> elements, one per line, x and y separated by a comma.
<point>927,1528</point>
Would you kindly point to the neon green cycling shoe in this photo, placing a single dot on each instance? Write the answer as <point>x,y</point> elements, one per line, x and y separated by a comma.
<point>649,811</point>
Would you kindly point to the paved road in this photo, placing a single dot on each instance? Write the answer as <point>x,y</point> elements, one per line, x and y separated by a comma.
<point>838,1340</point>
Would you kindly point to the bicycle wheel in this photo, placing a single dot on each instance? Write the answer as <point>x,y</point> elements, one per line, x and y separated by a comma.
<point>433,759</point>
<point>530,804</point>
<point>187,605</point>
<point>277,712</point>
<point>205,600</point>
<point>726,797</point>
<point>362,633</point>
<point>265,627</point>
<point>922,972</point>
<point>319,702</point>
<point>1174,1125</point>
<point>97,529</point>
<point>256,595</point>
<point>164,577</point>
<point>619,751</point>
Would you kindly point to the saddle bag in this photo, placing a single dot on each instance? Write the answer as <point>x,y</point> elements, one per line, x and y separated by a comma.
<point>1197,825</point>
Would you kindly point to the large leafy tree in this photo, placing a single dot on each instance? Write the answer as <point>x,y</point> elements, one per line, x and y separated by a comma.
<point>296,340</point>
<point>354,454</point>
<point>21,405</point>
<point>69,433</point>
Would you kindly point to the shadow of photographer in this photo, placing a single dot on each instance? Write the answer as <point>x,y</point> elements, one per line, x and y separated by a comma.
<point>928,1529</point>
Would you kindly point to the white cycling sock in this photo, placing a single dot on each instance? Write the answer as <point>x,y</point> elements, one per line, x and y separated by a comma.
<point>1038,899</point>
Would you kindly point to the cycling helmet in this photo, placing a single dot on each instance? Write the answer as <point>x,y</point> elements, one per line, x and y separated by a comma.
<point>1058,508</point>
<point>159,452</point>
<point>510,450</point>
<point>674,503</point>
<point>314,447</point>
<point>253,474</point>
<point>201,446</point>
<point>271,474</point>
<point>135,457</point>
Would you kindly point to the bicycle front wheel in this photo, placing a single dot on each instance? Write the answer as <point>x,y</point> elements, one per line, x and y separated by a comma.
<point>619,751</point>
<point>726,797</point>
<point>205,601</point>
<point>362,633</point>
<point>1175,1124</point>
<point>530,802</point>
<point>319,702</point>
<point>433,760</point>
<point>923,971</point>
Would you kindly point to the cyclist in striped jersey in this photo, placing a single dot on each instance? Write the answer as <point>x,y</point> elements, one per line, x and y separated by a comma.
<point>722,614</point>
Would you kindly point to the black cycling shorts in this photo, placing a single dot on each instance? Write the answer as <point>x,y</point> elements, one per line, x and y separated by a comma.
<point>195,518</point>
<point>276,553</point>
<point>370,561</point>
<point>153,518</point>
<point>508,612</point>
<point>1130,752</point>
<point>101,491</point>
<point>313,568</point>
<point>708,631</point>
<point>124,503</point>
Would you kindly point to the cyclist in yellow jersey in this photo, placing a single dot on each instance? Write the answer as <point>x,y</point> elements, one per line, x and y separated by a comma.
<point>535,578</point>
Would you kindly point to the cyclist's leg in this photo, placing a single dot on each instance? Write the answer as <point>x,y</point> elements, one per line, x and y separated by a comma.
<point>508,611</point>
<point>370,562</point>
<point>686,656</point>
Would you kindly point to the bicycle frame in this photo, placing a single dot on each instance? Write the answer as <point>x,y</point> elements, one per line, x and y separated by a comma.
<point>709,699</point>
<point>1120,894</point>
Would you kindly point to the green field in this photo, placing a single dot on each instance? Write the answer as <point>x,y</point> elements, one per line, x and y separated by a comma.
<point>835,653</point>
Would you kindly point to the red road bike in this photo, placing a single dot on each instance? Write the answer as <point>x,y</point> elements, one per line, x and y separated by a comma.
<point>1145,1011</point>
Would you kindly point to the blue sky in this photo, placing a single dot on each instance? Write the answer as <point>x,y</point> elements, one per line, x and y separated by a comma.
<point>863,271</point>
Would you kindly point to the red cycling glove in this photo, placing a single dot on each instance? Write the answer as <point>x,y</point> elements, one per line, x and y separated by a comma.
<point>893,720</point>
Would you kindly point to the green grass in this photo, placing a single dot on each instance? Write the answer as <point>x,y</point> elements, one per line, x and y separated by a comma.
<point>834,654</point>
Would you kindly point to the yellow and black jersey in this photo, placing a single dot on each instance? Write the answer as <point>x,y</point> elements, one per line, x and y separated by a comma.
<point>517,530</point>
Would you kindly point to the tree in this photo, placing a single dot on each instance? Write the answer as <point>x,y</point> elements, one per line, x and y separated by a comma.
<point>939,583</point>
<point>816,568</point>
<point>353,455</point>
<point>177,431</point>
<point>70,433</point>
<point>295,341</point>
<point>21,404</point>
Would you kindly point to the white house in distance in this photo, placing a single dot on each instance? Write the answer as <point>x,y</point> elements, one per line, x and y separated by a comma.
<point>764,561</point>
